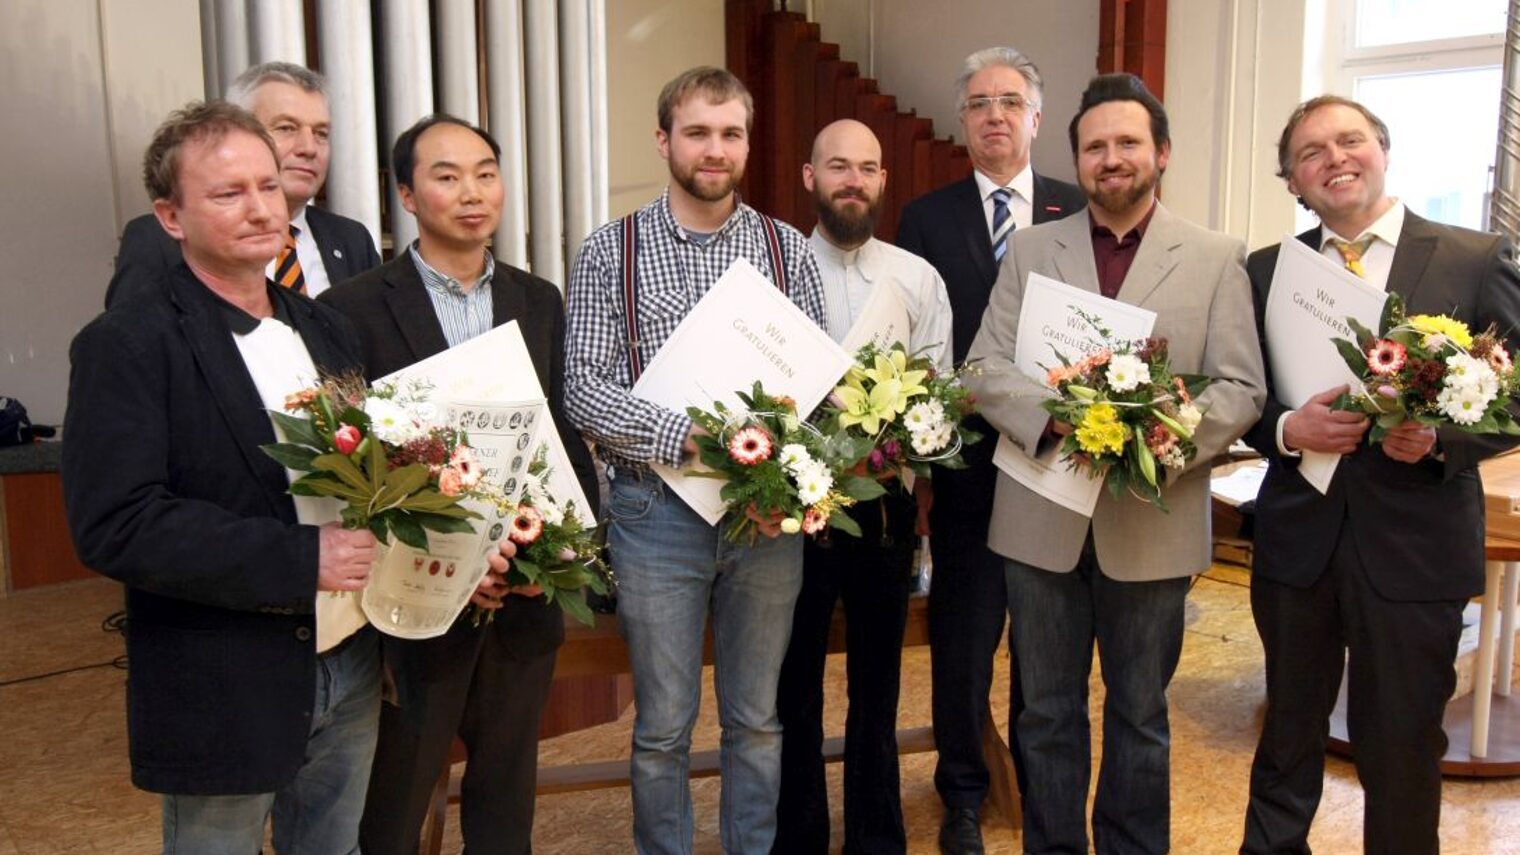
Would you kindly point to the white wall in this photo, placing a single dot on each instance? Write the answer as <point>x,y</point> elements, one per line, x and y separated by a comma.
<point>82,95</point>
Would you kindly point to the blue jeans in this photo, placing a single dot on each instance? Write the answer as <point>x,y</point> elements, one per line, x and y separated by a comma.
<point>317,813</point>
<point>672,568</point>
<point>1138,629</point>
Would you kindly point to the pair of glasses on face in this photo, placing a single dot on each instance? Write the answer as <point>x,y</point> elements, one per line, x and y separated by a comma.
<point>983,104</point>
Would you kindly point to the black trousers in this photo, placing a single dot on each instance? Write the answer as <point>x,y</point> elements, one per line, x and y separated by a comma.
<point>1399,678</point>
<point>968,600</point>
<point>471,683</point>
<point>872,575</point>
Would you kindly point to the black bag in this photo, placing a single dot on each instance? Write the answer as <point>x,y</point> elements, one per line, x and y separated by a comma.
<point>15,427</point>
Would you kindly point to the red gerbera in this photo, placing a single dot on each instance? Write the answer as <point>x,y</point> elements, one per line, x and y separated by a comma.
<point>527,525</point>
<point>750,446</point>
<point>1386,357</point>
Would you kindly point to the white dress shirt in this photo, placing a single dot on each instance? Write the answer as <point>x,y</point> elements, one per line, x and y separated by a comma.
<point>849,276</point>
<point>308,253</point>
<point>1022,203</point>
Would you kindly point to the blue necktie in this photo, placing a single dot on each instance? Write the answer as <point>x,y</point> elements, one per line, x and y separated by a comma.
<point>1002,222</point>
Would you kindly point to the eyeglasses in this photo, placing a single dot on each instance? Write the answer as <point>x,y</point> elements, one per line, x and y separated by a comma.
<point>982,104</point>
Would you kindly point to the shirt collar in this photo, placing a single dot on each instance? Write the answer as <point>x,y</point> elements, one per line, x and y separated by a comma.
<point>1022,184</point>
<point>668,218</point>
<point>298,219</point>
<point>859,257</point>
<point>1138,231</point>
<point>447,284</point>
<point>242,323</point>
<point>1385,228</point>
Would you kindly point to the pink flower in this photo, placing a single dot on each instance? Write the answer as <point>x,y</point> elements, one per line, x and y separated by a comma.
<point>1159,439</point>
<point>347,438</point>
<point>1498,359</point>
<point>450,483</point>
<point>463,462</point>
<point>813,522</point>
<point>1182,392</point>
<point>877,460</point>
<point>527,525</point>
<point>567,554</point>
<point>1060,374</point>
<point>1386,357</point>
<point>1387,391</point>
<point>750,446</point>
<point>892,449</point>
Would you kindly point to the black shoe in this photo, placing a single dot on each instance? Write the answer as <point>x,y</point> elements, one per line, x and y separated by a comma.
<point>961,832</point>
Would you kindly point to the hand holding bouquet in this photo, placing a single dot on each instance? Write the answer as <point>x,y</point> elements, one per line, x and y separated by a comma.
<point>1432,369</point>
<point>905,410</point>
<point>1127,411</point>
<point>774,461</point>
<point>379,451</point>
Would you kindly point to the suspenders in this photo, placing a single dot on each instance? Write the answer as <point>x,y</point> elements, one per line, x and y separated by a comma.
<point>631,283</point>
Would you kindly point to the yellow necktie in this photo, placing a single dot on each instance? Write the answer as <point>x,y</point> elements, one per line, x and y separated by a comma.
<point>287,267</point>
<point>1352,252</point>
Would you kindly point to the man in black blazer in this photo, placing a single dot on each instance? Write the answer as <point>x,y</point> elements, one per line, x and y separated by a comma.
<point>291,102</point>
<point>962,229</point>
<point>486,683</point>
<point>231,711</point>
<point>1381,565</point>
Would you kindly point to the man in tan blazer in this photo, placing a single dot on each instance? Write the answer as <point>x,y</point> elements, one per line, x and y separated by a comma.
<point>1119,578</point>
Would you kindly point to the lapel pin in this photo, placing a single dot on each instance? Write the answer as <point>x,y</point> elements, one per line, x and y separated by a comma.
<point>337,253</point>
<point>1052,209</point>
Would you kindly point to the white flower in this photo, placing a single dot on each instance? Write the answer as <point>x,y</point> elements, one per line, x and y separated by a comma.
<point>813,482</point>
<point>926,443</point>
<point>390,422</point>
<point>943,433</point>
<point>1464,405</point>
<point>1126,372</point>
<point>1465,372</point>
<point>924,416</point>
<point>791,525</point>
<point>1188,416</point>
<point>793,455</point>
<point>1172,458</point>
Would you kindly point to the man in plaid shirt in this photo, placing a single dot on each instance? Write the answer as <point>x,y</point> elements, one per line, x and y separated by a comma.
<point>671,564</point>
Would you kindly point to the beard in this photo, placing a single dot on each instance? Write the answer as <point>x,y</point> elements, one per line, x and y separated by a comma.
<point>707,190</point>
<point>1122,201</point>
<point>847,229</point>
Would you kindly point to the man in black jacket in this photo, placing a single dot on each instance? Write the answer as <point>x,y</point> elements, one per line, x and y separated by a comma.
<point>291,102</point>
<point>963,230</point>
<point>486,683</point>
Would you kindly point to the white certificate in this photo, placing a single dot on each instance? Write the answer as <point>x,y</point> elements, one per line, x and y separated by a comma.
<point>742,330</point>
<point>1307,306</point>
<point>1049,325</point>
<point>883,320</point>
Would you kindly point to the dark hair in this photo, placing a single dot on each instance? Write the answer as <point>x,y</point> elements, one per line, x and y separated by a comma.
<point>404,152</point>
<point>197,121</point>
<point>718,85</point>
<point>1284,167</point>
<point>1122,87</point>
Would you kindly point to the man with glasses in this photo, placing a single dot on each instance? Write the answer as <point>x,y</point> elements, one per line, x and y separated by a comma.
<point>963,230</point>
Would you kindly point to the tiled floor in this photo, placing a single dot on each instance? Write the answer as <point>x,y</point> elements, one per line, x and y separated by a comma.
<point>64,787</point>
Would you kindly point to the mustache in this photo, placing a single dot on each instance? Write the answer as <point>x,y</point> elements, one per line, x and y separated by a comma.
<point>848,193</point>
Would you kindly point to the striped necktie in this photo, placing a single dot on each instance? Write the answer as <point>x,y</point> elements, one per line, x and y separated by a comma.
<point>287,266</point>
<point>1002,222</point>
<point>1352,252</point>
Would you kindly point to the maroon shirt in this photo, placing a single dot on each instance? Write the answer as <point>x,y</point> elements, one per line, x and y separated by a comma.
<point>1114,255</point>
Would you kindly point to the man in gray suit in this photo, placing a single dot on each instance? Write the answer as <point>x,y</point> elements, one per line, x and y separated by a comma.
<point>1120,577</point>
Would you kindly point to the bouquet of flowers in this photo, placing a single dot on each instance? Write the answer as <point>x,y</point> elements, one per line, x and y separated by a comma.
<point>906,410</point>
<point>1430,368</point>
<point>555,551</point>
<point>1128,412</point>
<point>773,460</point>
<point>379,451</point>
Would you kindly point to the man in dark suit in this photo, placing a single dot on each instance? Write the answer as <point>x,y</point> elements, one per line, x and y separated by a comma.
<point>487,683</point>
<point>963,229</point>
<point>231,710</point>
<point>1380,565</point>
<point>291,102</point>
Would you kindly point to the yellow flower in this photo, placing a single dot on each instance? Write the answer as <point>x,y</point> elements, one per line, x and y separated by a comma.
<point>1452,329</point>
<point>1100,431</point>
<point>894,366</point>
<point>869,409</point>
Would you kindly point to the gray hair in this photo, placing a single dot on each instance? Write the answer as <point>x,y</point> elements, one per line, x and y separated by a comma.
<point>242,89</point>
<point>1006,57</point>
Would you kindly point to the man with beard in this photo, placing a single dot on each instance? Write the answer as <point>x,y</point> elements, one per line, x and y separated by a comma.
<point>872,573</point>
<point>1120,577</point>
<point>634,281</point>
<point>963,229</point>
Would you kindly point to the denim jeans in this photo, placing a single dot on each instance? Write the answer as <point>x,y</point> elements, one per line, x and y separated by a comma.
<point>1138,629</point>
<point>672,568</point>
<point>317,813</point>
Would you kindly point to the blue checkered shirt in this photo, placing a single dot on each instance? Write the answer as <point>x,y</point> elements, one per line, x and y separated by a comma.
<point>673,273</point>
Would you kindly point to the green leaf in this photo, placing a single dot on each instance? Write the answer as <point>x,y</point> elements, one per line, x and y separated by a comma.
<point>441,523</point>
<point>861,488</point>
<point>574,604</point>
<point>291,456</point>
<point>1143,457</point>
<point>376,466</point>
<point>298,429</point>
<point>1354,357</point>
<point>842,521</point>
<point>1364,336</point>
<point>408,530</point>
<point>379,529</point>
<point>341,466</point>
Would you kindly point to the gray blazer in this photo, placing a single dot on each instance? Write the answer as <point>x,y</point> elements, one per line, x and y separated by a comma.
<point>1195,282</point>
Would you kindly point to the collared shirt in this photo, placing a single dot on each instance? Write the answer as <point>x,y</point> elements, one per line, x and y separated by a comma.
<point>1021,206</point>
<point>850,276</point>
<point>1113,255</point>
<point>308,253</point>
<point>462,313</point>
<point>673,274</point>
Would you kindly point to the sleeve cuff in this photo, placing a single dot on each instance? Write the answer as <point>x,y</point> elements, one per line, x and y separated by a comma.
<point>1282,447</point>
<point>670,439</point>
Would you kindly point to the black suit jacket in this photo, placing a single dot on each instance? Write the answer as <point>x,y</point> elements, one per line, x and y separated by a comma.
<point>147,252</point>
<point>1418,527</point>
<point>398,326</point>
<point>168,492</point>
<point>947,227</point>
